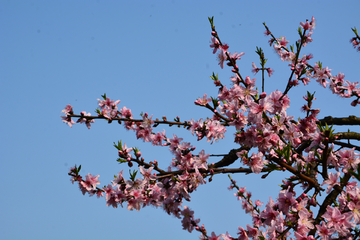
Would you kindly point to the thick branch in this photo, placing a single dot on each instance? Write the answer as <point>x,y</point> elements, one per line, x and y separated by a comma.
<point>347,145</point>
<point>229,158</point>
<point>311,181</point>
<point>351,120</point>
<point>216,171</point>
<point>347,135</point>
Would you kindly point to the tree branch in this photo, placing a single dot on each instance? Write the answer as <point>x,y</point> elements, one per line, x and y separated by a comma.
<point>347,135</point>
<point>347,145</point>
<point>351,120</point>
<point>229,159</point>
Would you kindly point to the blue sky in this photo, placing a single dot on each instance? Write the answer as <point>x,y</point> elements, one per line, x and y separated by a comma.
<point>154,56</point>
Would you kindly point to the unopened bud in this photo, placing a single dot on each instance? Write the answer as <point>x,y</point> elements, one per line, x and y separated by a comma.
<point>313,202</point>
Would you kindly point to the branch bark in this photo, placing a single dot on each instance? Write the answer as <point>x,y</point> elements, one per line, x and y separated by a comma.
<point>351,120</point>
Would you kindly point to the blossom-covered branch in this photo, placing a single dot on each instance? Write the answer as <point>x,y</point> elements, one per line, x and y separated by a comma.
<point>270,141</point>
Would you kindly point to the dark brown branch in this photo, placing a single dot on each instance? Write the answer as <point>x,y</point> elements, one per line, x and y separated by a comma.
<point>302,176</point>
<point>347,135</point>
<point>351,120</point>
<point>230,158</point>
<point>147,165</point>
<point>216,171</point>
<point>347,145</point>
<point>185,124</point>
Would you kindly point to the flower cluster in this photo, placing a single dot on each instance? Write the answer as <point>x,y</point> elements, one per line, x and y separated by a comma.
<point>269,141</point>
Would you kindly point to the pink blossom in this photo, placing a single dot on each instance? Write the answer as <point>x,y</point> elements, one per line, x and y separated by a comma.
<point>331,181</point>
<point>118,179</point>
<point>133,203</point>
<point>226,236</point>
<point>222,58</point>
<point>252,231</point>
<point>240,121</point>
<point>68,120</point>
<point>303,236</point>
<point>158,138</point>
<point>270,71</point>
<point>247,206</point>
<point>90,182</point>
<point>215,44</point>
<point>214,237</point>
<point>286,200</point>
<point>324,232</point>
<point>174,143</point>
<point>269,213</point>
<point>263,105</point>
<point>214,130</point>
<point>307,39</point>
<point>256,162</point>
<point>321,75</point>
<point>255,70</point>
<point>125,152</point>
<point>305,26</point>
<point>126,113</point>
<point>85,120</point>
<point>237,56</point>
<point>305,219</point>
<point>282,42</point>
<point>355,208</point>
<point>333,216</point>
<point>135,185</point>
<point>68,110</point>
<point>147,122</point>
<point>203,101</point>
<point>197,179</point>
<point>349,159</point>
<point>147,173</point>
<point>201,161</point>
<point>188,219</point>
<point>242,234</point>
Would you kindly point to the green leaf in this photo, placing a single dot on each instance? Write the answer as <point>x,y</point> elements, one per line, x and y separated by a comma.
<point>354,30</point>
<point>215,102</point>
<point>320,64</point>
<point>287,152</point>
<point>211,20</point>
<point>120,160</point>
<point>215,77</point>
<point>133,175</point>
<point>299,31</point>
<point>292,48</point>
<point>118,146</point>
<point>310,96</point>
